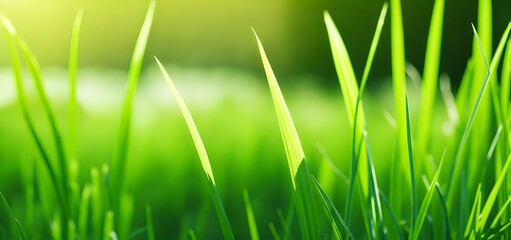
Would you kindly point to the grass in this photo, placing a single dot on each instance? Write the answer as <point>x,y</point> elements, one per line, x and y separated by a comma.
<point>469,176</point>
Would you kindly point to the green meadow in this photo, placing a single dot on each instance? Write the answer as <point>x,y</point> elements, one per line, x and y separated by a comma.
<point>163,151</point>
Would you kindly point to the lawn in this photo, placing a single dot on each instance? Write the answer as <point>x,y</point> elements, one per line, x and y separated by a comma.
<point>170,152</point>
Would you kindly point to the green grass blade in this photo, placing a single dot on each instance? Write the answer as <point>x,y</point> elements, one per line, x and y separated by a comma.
<point>506,80</point>
<point>399,87</point>
<point>376,209</point>
<point>108,228</point>
<point>119,161</point>
<point>197,140</point>
<point>305,204</point>
<point>374,46</point>
<point>149,223</point>
<point>203,155</point>
<point>447,225</point>
<point>412,167</point>
<point>274,231</point>
<point>328,204</point>
<point>416,230</point>
<point>385,202</point>
<point>13,218</point>
<point>252,225</point>
<point>430,79</point>
<point>72,71</point>
<point>83,217</point>
<point>490,201</point>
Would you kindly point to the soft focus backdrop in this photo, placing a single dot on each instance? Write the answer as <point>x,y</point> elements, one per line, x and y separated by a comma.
<point>217,33</point>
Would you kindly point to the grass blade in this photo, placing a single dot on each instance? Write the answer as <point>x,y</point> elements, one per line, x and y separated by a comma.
<point>447,225</point>
<point>149,222</point>
<point>252,225</point>
<point>412,168</point>
<point>328,204</point>
<point>119,161</point>
<point>201,150</point>
<point>399,182</point>
<point>13,218</point>
<point>305,204</point>
<point>416,230</point>
<point>430,80</point>
<point>72,70</point>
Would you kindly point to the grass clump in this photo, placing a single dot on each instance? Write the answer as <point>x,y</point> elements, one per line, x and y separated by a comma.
<point>473,193</point>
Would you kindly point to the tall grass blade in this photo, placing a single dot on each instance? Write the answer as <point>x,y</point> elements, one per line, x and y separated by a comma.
<point>412,167</point>
<point>417,226</point>
<point>398,181</point>
<point>118,163</point>
<point>430,79</point>
<point>72,71</point>
<point>201,150</point>
<point>305,204</point>
<point>252,225</point>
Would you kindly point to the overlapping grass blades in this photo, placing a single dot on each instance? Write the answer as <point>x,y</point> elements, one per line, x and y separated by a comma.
<point>201,150</point>
<point>118,163</point>
<point>305,204</point>
<point>353,101</point>
<point>417,225</point>
<point>456,166</point>
<point>252,225</point>
<point>58,171</point>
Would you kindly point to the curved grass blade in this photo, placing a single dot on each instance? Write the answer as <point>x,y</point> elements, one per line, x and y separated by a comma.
<point>72,71</point>
<point>298,168</point>
<point>203,155</point>
<point>13,218</point>
<point>329,205</point>
<point>473,217</point>
<point>447,225</point>
<point>252,225</point>
<point>118,164</point>
<point>417,226</point>
<point>430,80</point>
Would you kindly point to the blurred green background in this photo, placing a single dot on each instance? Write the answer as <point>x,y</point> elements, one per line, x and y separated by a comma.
<point>217,33</point>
